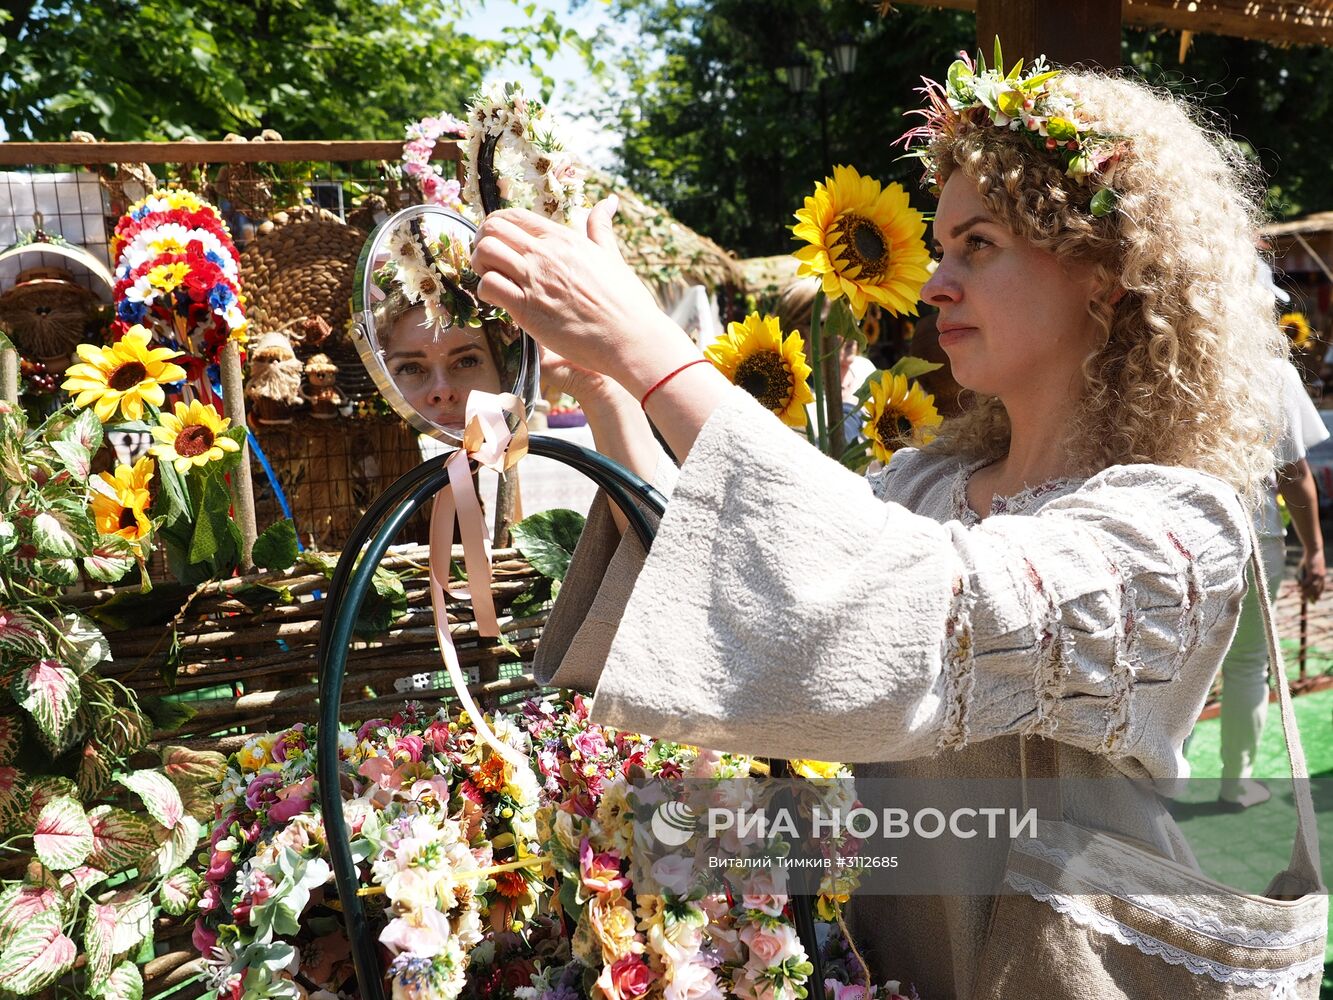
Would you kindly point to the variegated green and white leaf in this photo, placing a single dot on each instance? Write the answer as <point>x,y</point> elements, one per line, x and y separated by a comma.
<point>124,983</point>
<point>94,772</point>
<point>98,928</point>
<point>63,836</point>
<point>182,764</point>
<point>53,537</point>
<point>120,839</point>
<point>85,430</point>
<point>13,798</point>
<point>179,892</point>
<point>11,731</point>
<point>38,955</point>
<point>50,693</point>
<point>82,644</point>
<point>21,903</point>
<point>74,457</point>
<point>159,796</point>
<point>108,562</point>
<point>42,790</point>
<point>9,536</point>
<point>19,634</point>
<point>175,848</point>
<point>134,921</point>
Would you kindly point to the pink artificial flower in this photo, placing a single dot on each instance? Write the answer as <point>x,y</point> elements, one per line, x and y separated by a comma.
<point>770,946</point>
<point>626,978</point>
<point>692,981</point>
<point>380,770</point>
<point>436,736</point>
<point>766,902</point>
<point>450,190</point>
<point>425,939</point>
<point>293,801</point>
<point>223,828</point>
<point>590,744</point>
<point>262,790</point>
<point>844,991</point>
<point>220,865</point>
<point>368,727</point>
<point>204,938</point>
<point>210,898</point>
<point>292,740</point>
<point>407,748</point>
<point>600,872</point>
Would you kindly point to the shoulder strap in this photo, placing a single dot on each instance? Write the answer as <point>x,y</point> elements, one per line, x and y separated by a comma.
<point>1305,850</point>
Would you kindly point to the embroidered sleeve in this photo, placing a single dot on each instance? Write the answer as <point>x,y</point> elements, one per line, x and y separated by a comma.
<point>785,610</point>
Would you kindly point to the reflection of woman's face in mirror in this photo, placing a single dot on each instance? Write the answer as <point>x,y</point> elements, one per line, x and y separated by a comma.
<point>436,368</point>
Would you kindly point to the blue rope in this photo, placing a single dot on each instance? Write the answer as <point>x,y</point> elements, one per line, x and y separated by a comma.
<point>264,464</point>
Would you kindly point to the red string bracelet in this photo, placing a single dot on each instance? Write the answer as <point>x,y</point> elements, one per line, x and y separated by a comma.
<point>669,376</point>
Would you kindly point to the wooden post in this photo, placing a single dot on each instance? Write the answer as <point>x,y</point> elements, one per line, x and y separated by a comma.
<point>9,374</point>
<point>242,486</point>
<point>1086,32</point>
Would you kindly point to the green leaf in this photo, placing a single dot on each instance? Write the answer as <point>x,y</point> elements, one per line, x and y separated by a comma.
<point>63,837</point>
<point>9,537</point>
<point>913,367</point>
<point>11,731</point>
<point>82,644</point>
<point>49,692</point>
<point>276,548</point>
<point>840,325</point>
<point>548,539</point>
<point>172,496</point>
<point>39,954</point>
<point>74,458</point>
<point>259,595</point>
<point>171,662</point>
<point>53,538</point>
<point>159,796</point>
<point>174,848</point>
<point>120,839</point>
<point>168,714</point>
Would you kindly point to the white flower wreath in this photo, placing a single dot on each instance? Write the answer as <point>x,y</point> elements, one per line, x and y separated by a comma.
<point>521,128</point>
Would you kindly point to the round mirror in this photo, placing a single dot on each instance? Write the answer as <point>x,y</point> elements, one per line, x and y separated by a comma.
<point>421,331</point>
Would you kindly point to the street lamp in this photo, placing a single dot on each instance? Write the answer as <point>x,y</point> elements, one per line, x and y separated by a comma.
<point>844,54</point>
<point>799,77</point>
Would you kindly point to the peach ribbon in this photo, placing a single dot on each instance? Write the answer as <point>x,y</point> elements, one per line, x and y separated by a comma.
<point>488,440</point>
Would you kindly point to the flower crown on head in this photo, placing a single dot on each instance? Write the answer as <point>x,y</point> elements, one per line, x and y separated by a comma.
<point>974,95</point>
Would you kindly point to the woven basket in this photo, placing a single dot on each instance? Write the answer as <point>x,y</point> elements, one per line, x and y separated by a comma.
<point>46,314</point>
<point>301,264</point>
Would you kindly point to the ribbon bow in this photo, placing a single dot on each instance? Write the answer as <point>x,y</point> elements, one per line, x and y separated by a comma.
<point>488,440</point>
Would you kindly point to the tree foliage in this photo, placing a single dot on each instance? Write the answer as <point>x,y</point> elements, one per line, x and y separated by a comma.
<point>711,129</point>
<point>312,69</point>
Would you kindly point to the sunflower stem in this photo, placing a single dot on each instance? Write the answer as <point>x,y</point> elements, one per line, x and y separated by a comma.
<point>817,363</point>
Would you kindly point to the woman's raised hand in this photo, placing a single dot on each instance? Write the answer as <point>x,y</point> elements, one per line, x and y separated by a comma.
<point>572,291</point>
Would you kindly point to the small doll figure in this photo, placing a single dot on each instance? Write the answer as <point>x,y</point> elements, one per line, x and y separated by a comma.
<point>322,382</point>
<point>273,389</point>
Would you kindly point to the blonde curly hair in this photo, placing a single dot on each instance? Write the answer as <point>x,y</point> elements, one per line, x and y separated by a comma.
<point>1186,375</point>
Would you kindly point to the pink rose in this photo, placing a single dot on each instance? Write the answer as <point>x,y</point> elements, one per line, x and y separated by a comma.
<point>425,938</point>
<point>600,872</point>
<point>379,770</point>
<point>368,727</point>
<point>292,802</point>
<point>626,978</point>
<point>436,736</point>
<point>692,981</point>
<point>590,744</point>
<point>770,946</point>
<point>263,790</point>
<point>429,186</point>
<point>765,903</point>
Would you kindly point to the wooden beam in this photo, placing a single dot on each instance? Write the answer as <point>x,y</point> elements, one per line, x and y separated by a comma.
<point>1280,22</point>
<point>1087,32</point>
<point>84,153</point>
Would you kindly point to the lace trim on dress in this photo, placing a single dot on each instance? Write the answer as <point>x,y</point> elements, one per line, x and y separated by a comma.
<point>1282,981</point>
<point>1190,584</point>
<point>959,668</point>
<point>1016,503</point>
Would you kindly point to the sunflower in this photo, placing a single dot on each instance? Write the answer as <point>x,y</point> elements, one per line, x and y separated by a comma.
<point>898,412</point>
<point>123,510</point>
<point>1297,329</point>
<point>864,242</point>
<point>192,437</point>
<point>126,375</point>
<point>754,356</point>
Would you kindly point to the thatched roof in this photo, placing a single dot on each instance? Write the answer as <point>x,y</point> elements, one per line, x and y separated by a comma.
<point>766,277</point>
<point>666,254</point>
<point>1295,22</point>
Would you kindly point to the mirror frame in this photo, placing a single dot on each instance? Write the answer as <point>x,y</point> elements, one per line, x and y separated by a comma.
<point>363,324</point>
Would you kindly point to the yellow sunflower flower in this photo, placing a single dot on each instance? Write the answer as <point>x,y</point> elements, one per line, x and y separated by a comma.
<point>125,375</point>
<point>1297,328</point>
<point>754,356</point>
<point>864,241</point>
<point>123,510</point>
<point>192,437</point>
<point>816,770</point>
<point>898,412</point>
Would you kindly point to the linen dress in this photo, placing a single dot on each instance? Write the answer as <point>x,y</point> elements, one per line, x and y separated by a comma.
<point>792,609</point>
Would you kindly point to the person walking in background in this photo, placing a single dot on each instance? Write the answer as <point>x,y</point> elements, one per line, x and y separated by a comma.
<point>1245,669</point>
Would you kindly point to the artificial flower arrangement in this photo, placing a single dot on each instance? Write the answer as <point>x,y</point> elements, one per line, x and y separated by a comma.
<point>863,244</point>
<point>486,879</point>
<point>177,274</point>
<point>422,136</point>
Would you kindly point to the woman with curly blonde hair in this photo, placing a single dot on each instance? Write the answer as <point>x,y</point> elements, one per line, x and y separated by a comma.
<point>1058,575</point>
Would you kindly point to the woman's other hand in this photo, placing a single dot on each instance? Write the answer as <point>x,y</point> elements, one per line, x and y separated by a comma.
<point>574,293</point>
